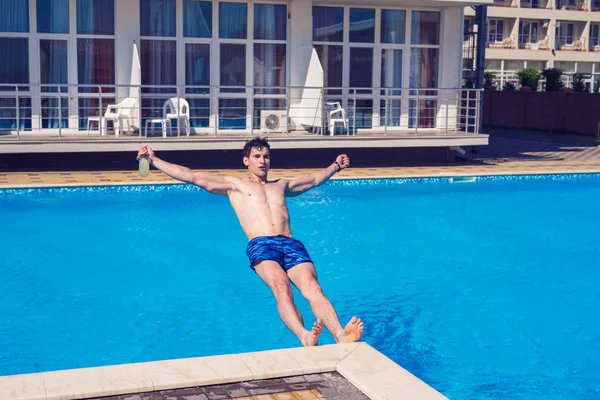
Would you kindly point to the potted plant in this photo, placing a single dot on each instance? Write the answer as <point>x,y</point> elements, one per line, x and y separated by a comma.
<point>553,81</point>
<point>529,78</point>
<point>488,81</point>
<point>578,84</point>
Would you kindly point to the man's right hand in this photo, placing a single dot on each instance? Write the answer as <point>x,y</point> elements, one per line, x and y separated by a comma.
<point>146,152</point>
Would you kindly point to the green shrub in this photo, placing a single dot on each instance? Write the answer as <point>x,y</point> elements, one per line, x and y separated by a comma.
<point>529,77</point>
<point>578,84</point>
<point>553,81</point>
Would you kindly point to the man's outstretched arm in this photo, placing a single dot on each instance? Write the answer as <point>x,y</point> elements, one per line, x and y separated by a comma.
<point>302,184</point>
<point>211,183</point>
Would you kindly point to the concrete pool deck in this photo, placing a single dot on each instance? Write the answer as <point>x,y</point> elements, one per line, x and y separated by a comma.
<point>504,156</point>
<point>359,372</point>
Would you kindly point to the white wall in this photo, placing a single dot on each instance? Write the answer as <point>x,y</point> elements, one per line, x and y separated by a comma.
<point>450,69</point>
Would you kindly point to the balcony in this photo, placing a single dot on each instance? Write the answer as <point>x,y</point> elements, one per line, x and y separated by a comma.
<point>499,41</point>
<point>40,113</point>
<point>571,43</point>
<point>594,44</point>
<point>532,42</point>
<point>572,5</point>
<point>505,3</point>
<point>542,4</point>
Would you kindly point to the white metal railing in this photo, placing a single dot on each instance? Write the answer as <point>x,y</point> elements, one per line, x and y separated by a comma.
<point>81,110</point>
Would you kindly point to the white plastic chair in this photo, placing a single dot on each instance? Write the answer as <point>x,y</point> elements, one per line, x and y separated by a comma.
<point>336,114</point>
<point>117,113</point>
<point>170,111</point>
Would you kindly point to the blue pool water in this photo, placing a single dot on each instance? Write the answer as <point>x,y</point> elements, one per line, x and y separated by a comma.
<point>485,290</point>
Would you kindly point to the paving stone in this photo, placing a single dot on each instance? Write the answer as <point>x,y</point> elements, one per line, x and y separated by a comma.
<point>294,379</point>
<point>184,394</point>
<point>301,386</point>
<point>107,398</point>
<point>152,396</point>
<point>131,397</point>
<point>313,378</point>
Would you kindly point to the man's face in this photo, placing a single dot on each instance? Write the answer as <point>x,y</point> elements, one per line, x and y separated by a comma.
<point>258,162</point>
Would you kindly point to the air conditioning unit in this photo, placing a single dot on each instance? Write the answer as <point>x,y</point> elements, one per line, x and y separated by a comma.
<point>272,120</point>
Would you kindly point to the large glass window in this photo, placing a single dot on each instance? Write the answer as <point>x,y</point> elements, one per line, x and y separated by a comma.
<point>197,19</point>
<point>391,70</point>
<point>96,63</point>
<point>422,113</point>
<point>96,17</point>
<point>364,113</point>
<point>157,17</point>
<point>233,66</point>
<point>197,67</point>
<point>328,24</point>
<point>232,113</point>
<point>53,64</point>
<point>495,31</point>
<point>199,112</point>
<point>8,117</point>
<point>270,21</point>
<point>14,69</point>
<point>14,16</point>
<point>565,33</point>
<point>361,67</point>
<point>393,26</point>
<point>233,20</point>
<point>158,62</point>
<point>332,60</point>
<point>52,16</point>
<point>362,25</point>
<point>424,68</point>
<point>425,27</point>
<point>269,66</point>
<point>528,32</point>
<point>594,36</point>
<point>390,111</point>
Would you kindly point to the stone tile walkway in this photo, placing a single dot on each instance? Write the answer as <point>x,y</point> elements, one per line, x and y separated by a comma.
<point>328,386</point>
<point>502,156</point>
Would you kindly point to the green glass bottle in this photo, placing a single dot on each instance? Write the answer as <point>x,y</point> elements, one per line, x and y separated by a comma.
<point>144,167</point>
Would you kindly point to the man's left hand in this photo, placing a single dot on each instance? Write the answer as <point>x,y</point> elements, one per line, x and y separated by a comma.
<point>343,160</point>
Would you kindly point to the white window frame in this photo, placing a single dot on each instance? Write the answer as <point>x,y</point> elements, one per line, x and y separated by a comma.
<point>594,35</point>
<point>528,36</point>
<point>34,65</point>
<point>498,33</point>
<point>215,60</point>
<point>34,68</point>
<point>564,27</point>
<point>378,46</point>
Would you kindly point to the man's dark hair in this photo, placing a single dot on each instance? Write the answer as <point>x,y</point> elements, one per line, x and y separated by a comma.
<point>257,143</point>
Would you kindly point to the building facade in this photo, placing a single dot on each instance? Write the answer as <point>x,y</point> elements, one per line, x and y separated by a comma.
<point>541,34</point>
<point>63,61</point>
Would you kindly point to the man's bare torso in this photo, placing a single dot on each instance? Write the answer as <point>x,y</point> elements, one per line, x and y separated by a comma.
<point>261,208</point>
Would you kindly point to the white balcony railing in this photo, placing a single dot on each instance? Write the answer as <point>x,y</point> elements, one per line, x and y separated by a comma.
<point>81,110</point>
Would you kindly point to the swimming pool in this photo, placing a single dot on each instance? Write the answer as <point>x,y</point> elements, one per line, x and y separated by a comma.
<point>485,290</point>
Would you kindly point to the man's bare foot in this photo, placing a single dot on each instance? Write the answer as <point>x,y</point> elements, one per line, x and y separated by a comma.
<point>312,337</point>
<point>352,331</point>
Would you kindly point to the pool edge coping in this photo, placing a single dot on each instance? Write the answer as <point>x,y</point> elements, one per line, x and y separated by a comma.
<point>587,170</point>
<point>373,373</point>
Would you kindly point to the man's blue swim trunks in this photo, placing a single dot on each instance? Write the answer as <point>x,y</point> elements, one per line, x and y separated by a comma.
<point>286,251</point>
